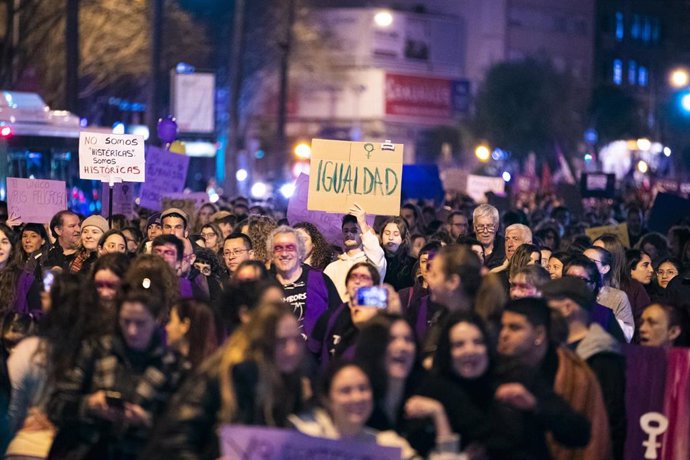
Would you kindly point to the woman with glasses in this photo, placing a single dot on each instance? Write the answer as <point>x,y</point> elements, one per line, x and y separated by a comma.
<point>668,268</point>
<point>213,237</point>
<point>611,297</point>
<point>336,331</point>
<point>582,267</point>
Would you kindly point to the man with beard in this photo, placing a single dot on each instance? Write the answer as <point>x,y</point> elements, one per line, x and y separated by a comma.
<point>309,291</point>
<point>361,245</point>
<point>66,228</point>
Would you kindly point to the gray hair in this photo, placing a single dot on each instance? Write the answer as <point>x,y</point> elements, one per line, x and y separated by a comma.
<point>301,249</point>
<point>524,231</point>
<point>486,210</point>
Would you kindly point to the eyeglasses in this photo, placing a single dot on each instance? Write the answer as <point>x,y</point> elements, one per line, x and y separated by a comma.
<point>203,269</point>
<point>359,277</point>
<point>234,252</point>
<point>484,228</point>
<point>289,248</point>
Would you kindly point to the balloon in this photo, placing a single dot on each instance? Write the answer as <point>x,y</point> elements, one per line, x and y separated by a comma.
<point>178,147</point>
<point>167,129</point>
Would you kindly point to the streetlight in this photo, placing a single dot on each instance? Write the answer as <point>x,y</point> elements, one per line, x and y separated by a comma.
<point>303,151</point>
<point>482,152</point>
<point>383,18</point>
<point>679,78</point>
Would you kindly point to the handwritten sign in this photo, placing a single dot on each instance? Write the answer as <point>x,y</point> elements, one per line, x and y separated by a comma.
<point>329,224</point>
<point>620,230</point>
<point>111,156</point>
<point>36,200</point>
<point>166,173</point>
<point>123,199</point>
<point>657,403</point>
<point>251,442</point>
<point>366,173</point>
<point>478,186</point>
<point>454,179</point>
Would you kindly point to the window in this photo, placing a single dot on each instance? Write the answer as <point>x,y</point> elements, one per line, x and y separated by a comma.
<point>620,26</point>
<point>617,71</point>
<point>647,30</point>
<point>635,27</point>
<point>632,72</point>
<point>642,76</point>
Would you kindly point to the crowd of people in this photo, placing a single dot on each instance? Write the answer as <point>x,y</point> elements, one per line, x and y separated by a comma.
<point>489,337</point>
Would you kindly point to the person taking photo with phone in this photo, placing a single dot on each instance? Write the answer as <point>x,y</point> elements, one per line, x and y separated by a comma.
<point>336,331</point>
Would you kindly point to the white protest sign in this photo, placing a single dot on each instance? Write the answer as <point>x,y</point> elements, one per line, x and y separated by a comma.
<point>253,442</point>
<point>329,224</point>
<point>477,186</point>
<point>106,157</point>
<point>123,198</point>
<point>166,173</point>
<point>35,200</point>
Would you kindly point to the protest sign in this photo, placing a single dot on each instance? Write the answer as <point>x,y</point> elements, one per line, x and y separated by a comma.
<point>597,185</point>
<point>620,230</point>
<point>422,182</point>
<point>478,186</point>
<point>105,157</point>
<point>366,173</point>
<point>657,403</point>
<point>329,224</point>
<point>667,210</point>
<point>454,179</point>
<point>166,173</point>
<point>199,198</point>
<point>253,442</point>
<point>123,198</point>
<point>35,200</point>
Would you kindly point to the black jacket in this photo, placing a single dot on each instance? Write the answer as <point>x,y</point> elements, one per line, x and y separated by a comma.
<point>505,432</point>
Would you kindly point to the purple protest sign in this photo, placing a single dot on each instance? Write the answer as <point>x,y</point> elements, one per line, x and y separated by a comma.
<point>251,442</point>
<point>123,198</point>
<point>165,173</point>
<point>35,200</point>
<point>328,223</point>
<point>657,403</point>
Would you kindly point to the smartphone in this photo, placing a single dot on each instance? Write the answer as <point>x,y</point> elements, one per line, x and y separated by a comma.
<point>114,399</point>
<point>48,280</point>
<point>375,296</point>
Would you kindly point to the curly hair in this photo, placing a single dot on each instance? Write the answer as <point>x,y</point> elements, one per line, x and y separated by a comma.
<point>258,229</point>
<point>210,257</point>
<point>322,253</point>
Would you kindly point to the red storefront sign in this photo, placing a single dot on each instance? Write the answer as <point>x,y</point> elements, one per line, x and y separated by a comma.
<point>418,96</point>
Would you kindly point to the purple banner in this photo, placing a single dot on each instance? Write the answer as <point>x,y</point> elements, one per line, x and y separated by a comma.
<point>657,403</point>
<point>166,173</point>
<point>253,442</point>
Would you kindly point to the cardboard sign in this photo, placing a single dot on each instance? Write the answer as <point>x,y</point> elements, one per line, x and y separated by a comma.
<point>199,198</point>
<point>253,442</point>
<point>620,230</point>
<point>366,173</point>
<point>657,403</point>
<point>35,200</point>
<point>166,173</point>
<point>478,186</point>
<point>329,224</point>
<point>123,199</point>
<point>118,157</point>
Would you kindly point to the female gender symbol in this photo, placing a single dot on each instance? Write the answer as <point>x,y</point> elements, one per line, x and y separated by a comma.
<point>369,148</point>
